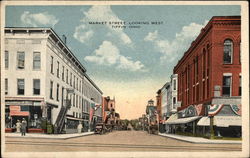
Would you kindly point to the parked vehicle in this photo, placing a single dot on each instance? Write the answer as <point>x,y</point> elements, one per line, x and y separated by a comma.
<point>100,128</point>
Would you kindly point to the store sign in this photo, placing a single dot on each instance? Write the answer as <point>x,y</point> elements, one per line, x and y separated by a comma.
<point>15,108</point>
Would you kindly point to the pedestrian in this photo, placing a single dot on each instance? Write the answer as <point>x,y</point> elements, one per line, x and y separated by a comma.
<point>23,126</point>
<point>79,127</point>
<point>18,126</point>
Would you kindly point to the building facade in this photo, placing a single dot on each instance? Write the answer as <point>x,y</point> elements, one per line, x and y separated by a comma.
<point>209,79</point>
<point>42,76</point>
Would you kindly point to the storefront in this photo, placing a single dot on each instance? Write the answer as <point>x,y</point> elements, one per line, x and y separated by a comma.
<point>225,120</point>
<point>85,124</point>
<point>72,124</point>
<point>31,111</point>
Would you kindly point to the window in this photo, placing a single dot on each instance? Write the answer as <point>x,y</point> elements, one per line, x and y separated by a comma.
<point>174,102</point>
<point>174,84</point>
<point>77,83</point>
<point>36,86</point>
<point>76,100</point>
<point>73,114</point>
<point>63,73</point>
<point>67,76</point>
<point>57,92</point>
<point>36,60</point>
<point>6,57</point>
<point>51,64</point>
<point>70,79</point>
<point>6,86</point>
<point>226,89</point>
<point>74,82</point>
<point>57,70</point>
<point>20,86</point>
<point>51,89</point>
<point>239,85</point>
<point>20,60</point>
<point>228,51</point>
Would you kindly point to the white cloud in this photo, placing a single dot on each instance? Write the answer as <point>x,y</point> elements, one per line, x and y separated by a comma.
<point>38,19</point>
<point>109,54</point>
<point>82,34</point>
<point>173,49</point>
<point>104,13</point>
<point>151,36</point>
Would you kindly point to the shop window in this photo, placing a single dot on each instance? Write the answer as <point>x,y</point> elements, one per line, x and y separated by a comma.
<point>20,60</point>
<point>36,86</point>
<point>6,86</point>
<point>36,60</point>
<point>228,51</point>
<point>226,89</point>
<point>6,57</point>
<point>20,86</point>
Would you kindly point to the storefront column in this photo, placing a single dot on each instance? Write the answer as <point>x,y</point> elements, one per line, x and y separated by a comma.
<point>211,127</point>
<point>193,127</point>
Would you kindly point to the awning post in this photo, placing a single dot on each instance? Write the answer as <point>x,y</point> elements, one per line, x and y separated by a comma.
<point>211,127</point>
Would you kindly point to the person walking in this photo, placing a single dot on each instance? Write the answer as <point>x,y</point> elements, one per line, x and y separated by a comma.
<point>79,127</point>
<point>23,126</point>
<point>18,126</point>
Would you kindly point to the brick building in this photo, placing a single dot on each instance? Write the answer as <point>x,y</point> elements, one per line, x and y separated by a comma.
<point>209,79</point>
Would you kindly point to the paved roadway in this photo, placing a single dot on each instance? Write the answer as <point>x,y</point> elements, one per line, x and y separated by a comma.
<point>114,141</point>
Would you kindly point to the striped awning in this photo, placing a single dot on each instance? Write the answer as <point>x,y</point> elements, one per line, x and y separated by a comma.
<point>221,121</point>
<point>184,120</point>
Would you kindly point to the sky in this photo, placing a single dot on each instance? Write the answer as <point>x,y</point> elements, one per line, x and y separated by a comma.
<point>130,60</point>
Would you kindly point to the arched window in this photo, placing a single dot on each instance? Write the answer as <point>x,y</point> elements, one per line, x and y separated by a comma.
<point>228,51</point>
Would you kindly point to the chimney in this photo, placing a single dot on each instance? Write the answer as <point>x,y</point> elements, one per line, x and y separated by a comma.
<point>64,39</point>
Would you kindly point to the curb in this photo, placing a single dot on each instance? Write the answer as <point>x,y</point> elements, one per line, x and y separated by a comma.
<point>201,142</point>
<point>64,138</point>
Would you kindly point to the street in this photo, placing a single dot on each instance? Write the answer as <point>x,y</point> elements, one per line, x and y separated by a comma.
<point>114,141</point>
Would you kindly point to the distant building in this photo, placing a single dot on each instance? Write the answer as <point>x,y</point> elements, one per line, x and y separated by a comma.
<point>43,79</point>
<point>209,80</point>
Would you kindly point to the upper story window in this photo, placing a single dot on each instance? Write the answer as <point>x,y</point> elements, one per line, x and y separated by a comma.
<point>20,60</point>
<point>174,84</point>
<point>67,76</point>
<point>226,89</point>
<point>63,73</point>
<point>6,86</point>
<point>51,64</point>
<point>51,90</point>
<point>57,70</point>
<point>36,86</point>
<point>240,86</point>
<point>36,60</point>
<point>20,86</point>
<point>6,59</point>
<point>70,80</point>
<point>57,92</point>
<point>228,51</point>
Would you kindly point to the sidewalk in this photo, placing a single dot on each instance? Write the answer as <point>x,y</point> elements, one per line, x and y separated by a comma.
<point>48,136</point>
<point>199,139</point>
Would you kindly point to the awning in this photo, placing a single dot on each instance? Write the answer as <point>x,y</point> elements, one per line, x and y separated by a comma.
<point>184,120</point>
<point>171,118</point>
<point>221,121</point>
<point>73,118</point>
